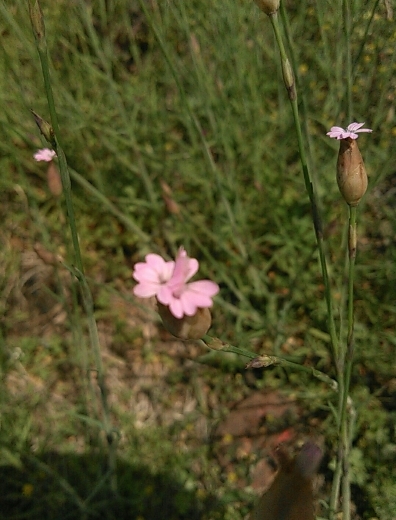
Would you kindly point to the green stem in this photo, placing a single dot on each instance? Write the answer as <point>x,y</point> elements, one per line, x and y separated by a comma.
<point>344,419</point>
<point>345,407</point>
<point>311,194</point>
<point>265,361</point>
<point>41,43</point>
<point>348,58</point>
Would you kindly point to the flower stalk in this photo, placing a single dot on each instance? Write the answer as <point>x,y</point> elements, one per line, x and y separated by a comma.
<point>352,182</point>
<point>265,361</point>
<point>52,133</point>
<point>317,222</point>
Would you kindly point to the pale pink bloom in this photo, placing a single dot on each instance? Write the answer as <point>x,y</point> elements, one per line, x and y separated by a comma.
<point>168,282</point>
<point>152,275</point>
<point>45,154</point>
<point>336,132</point>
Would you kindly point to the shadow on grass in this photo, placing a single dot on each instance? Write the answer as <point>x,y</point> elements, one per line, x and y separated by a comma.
<point>62,487</point>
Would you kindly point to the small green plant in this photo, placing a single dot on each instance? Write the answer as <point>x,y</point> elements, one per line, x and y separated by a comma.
<point>177,130</point>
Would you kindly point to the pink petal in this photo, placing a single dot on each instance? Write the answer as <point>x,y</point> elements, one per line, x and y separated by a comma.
<point>155,269</point>
<point>193,266</point>
<point>142,270</point>
<point>180,272</point>
<point>176,308</point>
<point>354,126</point>
<point>185,266</point>
<point>336,132</point>
<point>188,305</point>
<point>204,287</point>
<point>45,154</point>
<point>163,268</point>
<point>197,294</point>
<point>165,295</point>
<point>146,290</point>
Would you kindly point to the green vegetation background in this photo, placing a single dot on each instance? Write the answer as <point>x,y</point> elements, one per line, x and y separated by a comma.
<point>126,88</point>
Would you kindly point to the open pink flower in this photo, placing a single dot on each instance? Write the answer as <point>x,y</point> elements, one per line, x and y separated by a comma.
<point>152,275</point>
<point>336,132</point>
<point>168,282</point>
<point>45,154</point>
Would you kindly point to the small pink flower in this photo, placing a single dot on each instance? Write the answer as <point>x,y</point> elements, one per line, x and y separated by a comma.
<point>45,154</point>
<point>336,132</point>
<point>152,275</point>
<point>168,282</point>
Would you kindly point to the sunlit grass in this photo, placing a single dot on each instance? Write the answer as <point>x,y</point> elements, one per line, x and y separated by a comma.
<point>126,129</point>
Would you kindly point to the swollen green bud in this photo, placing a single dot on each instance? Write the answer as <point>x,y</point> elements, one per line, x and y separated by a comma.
<point>188,327</point>
<point>288,78</point>
<point>351,172</point>
<point>268,6</point>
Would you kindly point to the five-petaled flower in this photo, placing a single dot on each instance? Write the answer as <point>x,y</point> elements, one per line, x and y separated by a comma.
<point>336,132</point>
<point>168,282</point>
<point>45,154</point>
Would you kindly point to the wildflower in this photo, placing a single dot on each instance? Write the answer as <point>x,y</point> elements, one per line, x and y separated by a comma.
<point>53,176</point>
<point>45,154</point>
<point>336,132</point>
<point>167,281</point>
<point>351,172</point>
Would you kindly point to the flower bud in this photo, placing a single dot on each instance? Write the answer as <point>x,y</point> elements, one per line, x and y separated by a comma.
<point>45,128</point>
<point>37,19</point>
<point>288,78</point>
<point>54,180</point>
<point>351,172</point>
<point>188,327</point>
<point>268,6</point>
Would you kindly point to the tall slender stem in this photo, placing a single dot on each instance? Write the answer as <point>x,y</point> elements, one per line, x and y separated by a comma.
<point>37,20</point>
<point>345,408</point>
<point>311,193</point>
<point>348,57</point>
<point>345,433</point>
<point>265,361</point>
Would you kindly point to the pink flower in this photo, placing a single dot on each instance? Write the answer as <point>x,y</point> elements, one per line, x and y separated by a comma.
<point>168,282</point>
<point>45,154</point>
<point>152,275</point>
<point>336,132</point>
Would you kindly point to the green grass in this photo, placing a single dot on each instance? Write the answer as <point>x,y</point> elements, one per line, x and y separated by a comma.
<point>206,113</point>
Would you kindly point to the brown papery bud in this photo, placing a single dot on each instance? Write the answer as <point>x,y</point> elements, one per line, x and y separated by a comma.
<point>351,172</point>
<point>37,19</point>
<point>54,180</point>
<point>188,327</point>
<point>268,6</point>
